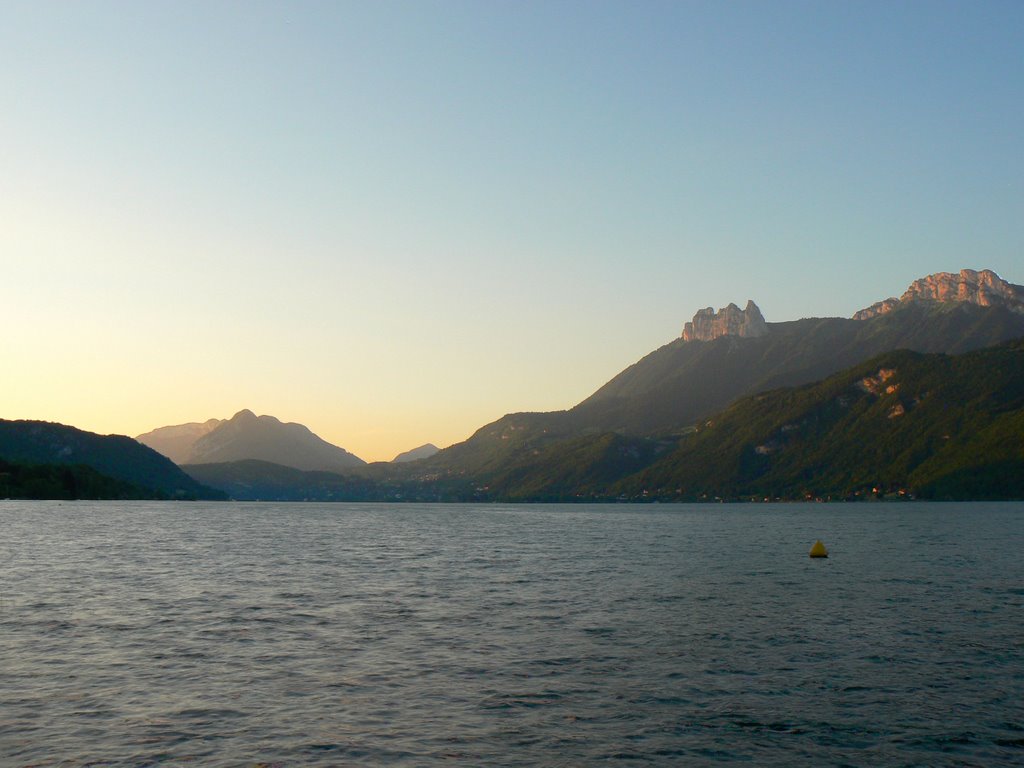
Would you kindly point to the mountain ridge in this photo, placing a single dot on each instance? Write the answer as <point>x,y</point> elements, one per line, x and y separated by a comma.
<point>719,357</point>
<point>643,413</point>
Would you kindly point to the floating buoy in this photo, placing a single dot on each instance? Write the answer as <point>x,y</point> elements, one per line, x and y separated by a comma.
<point>818,550</point>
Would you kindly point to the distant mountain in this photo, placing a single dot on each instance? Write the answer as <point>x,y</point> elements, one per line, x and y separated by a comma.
<point>263,438</point>
<point>113,456</point>
<point>176,442</point>
<point>423,452</point>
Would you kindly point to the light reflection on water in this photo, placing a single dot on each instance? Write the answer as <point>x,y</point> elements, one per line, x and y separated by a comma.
<point>238,634</point>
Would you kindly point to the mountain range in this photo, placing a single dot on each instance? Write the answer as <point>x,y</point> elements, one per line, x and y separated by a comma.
<point>671,389</point>
<point>656,429</point>
<point>646,411</point>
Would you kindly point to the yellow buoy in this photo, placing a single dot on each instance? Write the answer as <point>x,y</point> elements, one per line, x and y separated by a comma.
<point>818,550</point>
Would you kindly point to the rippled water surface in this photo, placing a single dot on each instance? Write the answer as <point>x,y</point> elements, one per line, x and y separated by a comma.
<point>246,634</point>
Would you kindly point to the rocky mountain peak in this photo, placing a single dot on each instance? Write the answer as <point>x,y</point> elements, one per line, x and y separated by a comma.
<point>708,325</point>
<point>984,288</point>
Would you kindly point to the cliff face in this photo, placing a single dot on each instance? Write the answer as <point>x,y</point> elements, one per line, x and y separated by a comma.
<point>984,288</point>
<point>708,325</point>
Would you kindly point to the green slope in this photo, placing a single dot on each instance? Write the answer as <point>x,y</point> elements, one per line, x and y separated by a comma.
<point>934,426</point>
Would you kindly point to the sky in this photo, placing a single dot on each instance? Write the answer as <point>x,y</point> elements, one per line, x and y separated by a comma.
<point>395,222</point>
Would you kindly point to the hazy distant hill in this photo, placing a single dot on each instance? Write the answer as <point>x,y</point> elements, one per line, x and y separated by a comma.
<point>113,456</point>
<point>423,452</point>
<point>176,442</point>
<point>264,438</point>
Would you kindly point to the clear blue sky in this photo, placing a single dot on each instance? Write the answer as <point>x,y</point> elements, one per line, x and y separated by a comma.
<point>395,222</point>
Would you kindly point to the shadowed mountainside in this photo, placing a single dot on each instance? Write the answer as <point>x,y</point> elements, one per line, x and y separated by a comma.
<point>117,457</point>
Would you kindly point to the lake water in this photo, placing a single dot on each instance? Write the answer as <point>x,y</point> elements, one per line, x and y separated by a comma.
<point>461,635</point>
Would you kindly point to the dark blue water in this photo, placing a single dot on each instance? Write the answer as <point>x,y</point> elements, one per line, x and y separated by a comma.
<point>246,634</point>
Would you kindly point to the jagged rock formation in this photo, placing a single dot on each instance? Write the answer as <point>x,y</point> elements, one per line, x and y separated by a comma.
<point>707,325</point>
<point>984,288</point>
